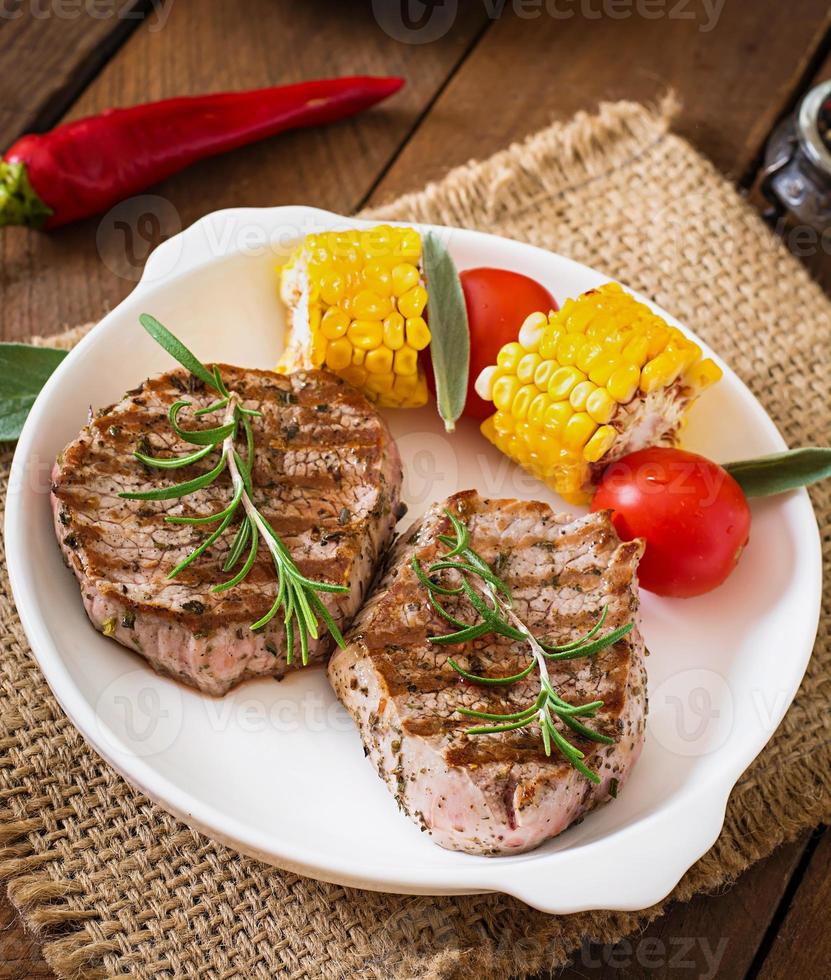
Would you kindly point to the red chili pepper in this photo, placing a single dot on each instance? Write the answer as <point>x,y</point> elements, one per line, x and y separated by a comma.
<point>85,167</point>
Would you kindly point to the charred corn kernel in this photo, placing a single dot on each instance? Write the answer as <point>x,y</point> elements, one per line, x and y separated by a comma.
<point>522,400</point>
<point>563,380</point>
<point>599,444</point>
<point>580,395</point>
<point>404,278</point>
<point>418,333</point>
<point>601,377</point>
<point>334,323</point>
<point>393,330</point>
<point>543,374</point>
<point>365,334</point>
<point>412,303</point>
<point>483,385</point>
<point>600,405</point>
<point>355,301</point>
<point>508,357</point>
<point>338,354</point>
<point>531,331</point>
<point>504,391</point>
<point>536,410</point>
<point>405,361</point>
<point>379,361</point>
<point>527,367</point>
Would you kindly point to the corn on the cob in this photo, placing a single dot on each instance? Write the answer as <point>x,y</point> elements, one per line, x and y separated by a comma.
<point>356,303</point>
<point>587,384</point>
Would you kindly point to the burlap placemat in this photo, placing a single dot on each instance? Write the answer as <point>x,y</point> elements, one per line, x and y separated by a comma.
<point>119,887</point>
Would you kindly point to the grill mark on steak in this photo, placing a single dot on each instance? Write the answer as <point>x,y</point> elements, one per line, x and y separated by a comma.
<point>327,480</point>
<point>494,794</point>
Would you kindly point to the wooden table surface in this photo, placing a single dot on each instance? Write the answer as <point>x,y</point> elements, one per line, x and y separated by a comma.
<point>475,81</point>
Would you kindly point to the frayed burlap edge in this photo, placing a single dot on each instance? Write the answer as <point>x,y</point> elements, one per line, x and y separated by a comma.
<point>785,791</point>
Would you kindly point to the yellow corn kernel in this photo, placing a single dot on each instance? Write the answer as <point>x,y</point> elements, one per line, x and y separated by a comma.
<point>550,339</point>
<point>377,278</point>
<point>636,351</point>
<point>557,414</point>
<point>522,400</point>
<point>568,347</point>
<point>588,355</point>
<point>599,444</point>
<point>393,331</point>
<point>334,323</point>
<point>412,303</point>
<point>509,356</point>
<point>408,246</point>
<point>531,331</point>
<point>354,375</point>
<point>418,333</point>
<point>602,369</point>
<point>543,374</point>
<point>365,334</point>
<point>367,305</point>
<point>483,385</point>
<point>578,430</point>
<point>600,405</point>
<point>338,354</point>
<point>563,380</point>
<point>404,278</point>
<point>332,288</point>
<point>405,361</point>
<point>504,391</point>
<point>703,374</point>
<point>536,410</point>
<point>660,372</point>
<point>580,394</point>
<point>503,422</point>
<point>358,355</point>
<point>379,361</point>
<point>378,384</point>
<point>623,383</point>
<point>527,367</point>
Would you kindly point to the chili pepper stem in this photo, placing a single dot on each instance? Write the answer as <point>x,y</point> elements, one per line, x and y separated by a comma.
<point>19,203</point>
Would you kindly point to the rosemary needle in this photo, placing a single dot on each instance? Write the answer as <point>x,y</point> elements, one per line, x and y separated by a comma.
<point>297,600</point>
<point>493,602</point>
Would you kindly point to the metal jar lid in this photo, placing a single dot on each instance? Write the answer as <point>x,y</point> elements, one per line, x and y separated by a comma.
<point>797,169</point>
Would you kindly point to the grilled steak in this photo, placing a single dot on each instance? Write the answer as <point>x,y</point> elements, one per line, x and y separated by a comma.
<point>327,477</point>
<point>496,794</point>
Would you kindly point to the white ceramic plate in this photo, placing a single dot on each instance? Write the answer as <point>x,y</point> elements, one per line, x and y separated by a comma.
<point>277,770</point>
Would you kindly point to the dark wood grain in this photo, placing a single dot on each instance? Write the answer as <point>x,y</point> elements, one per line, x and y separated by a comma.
<point>733,81</point>
<point>802,944</point>
<point>711,936</point>
<point>51,281</point>
<point>20,956</point>
<point>50,50</point>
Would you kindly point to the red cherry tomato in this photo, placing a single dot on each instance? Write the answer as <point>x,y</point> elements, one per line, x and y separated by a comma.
<point>692,513</point>
<point>497,302</point>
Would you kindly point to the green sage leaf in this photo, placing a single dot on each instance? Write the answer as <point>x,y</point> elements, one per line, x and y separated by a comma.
<point>24,370</point>
<point>177,349</point>
<point>450,344</point>
<point>779,472</point>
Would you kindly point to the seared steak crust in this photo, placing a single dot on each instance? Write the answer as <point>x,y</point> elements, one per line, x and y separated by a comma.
<point>496,794</point>
<point>327,476</point>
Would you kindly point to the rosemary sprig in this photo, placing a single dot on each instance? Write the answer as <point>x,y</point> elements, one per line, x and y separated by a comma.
<point>297,597</point>
<point>492,600</point>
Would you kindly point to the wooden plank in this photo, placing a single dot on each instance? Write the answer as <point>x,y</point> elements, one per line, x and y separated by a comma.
<point>51,281</point>
<point>802,944</point>
<point>733,80</point>
<point>50,50</point>
<point>710,936</point>
<point>20,957</point>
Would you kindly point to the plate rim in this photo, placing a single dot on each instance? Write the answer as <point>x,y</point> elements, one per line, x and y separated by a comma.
<point>698,826</point>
